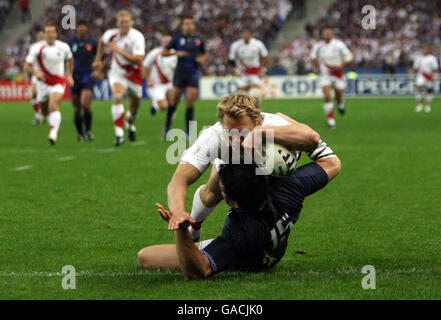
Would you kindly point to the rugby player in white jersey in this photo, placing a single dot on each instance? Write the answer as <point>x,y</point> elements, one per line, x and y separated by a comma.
<point>425,66</point>
<point>39,114</point>
<point>237,111</point>
<point>250,57</point>
<point>52,55</point>
<point>332,55</point>
<point>125,75</point>
<point>158,71</point>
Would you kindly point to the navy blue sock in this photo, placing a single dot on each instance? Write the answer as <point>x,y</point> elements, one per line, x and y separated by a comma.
<point>189,117</point>
<point>170,112</point>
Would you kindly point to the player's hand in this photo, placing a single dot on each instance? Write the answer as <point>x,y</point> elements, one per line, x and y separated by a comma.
<point>97,65</point>
<point>181,54</point>
<point>96,75</point>
<point>39,75</point>
<point>114,47</point>
<point>165,214</point>
<point>150,83</point>
<point>70,81</point>
<point>178,218</point>
<point>199,60</point>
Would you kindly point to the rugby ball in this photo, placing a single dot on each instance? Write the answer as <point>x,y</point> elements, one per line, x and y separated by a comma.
<point>279,161</point>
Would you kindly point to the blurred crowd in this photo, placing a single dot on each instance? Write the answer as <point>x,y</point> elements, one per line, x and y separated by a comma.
<point>5,8</point>
<point>219,21</point>
<point>402,26</point>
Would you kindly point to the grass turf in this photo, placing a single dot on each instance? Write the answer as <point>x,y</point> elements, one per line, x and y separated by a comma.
<point>90,205</point>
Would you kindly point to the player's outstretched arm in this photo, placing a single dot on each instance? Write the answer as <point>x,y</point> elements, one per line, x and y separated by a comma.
<point>297,135</point>
<point>194,264</point>
<point>183,177</point>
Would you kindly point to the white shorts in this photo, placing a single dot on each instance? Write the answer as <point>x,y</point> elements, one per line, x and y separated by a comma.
<point>333,81</point>
<point>44,90</point>
<point>131,86</point>
<point>423,82</point>
<point>159,91</point>
<point>248,80</point>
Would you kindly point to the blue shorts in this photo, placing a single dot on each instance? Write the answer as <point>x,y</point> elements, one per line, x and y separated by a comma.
<point>182,81</point>
<point>83,81</point>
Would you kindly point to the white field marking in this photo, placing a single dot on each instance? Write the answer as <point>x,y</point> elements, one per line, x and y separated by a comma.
<point>108,150</point>
<point>113,274</point>
<point>27,167</point>
<point>68,158</point>
<point>138,143</point>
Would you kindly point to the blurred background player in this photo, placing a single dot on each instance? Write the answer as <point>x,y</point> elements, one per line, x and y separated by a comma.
<point>84,50</point>
<point>158,72</point>
<point>190,50</point>
<point>52,56</point>
<point>332,55</point>
<point>425,65</point>
<point>39,115</point>
<point>125,75</point>
<point>248,55</point>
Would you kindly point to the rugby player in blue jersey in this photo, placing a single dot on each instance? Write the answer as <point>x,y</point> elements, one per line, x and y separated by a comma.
<point>190,50</point>
<point>83,49</point>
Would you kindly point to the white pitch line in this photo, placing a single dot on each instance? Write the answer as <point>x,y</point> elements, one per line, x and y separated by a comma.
<point>27,167</point>
<point>113,274</point>
<point>66,158</point>
<point>108,150</point>
<point>138,143</point>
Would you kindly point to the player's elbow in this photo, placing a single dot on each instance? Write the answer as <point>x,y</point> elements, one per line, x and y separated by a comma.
<point>197,274</point>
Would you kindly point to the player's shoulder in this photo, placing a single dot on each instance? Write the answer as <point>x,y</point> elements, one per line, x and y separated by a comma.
<point>136,33</point>
<point>62,44</point>
<point>37,45</point>
<point>271,119</point>
<point>257,42</point>
<point>338,42</point>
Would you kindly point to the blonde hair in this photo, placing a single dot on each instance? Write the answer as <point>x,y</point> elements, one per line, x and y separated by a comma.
<point>121,13</point>
<point>237,105</point>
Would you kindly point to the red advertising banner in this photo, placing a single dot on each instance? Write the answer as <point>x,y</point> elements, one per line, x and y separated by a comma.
<point>20,91</point>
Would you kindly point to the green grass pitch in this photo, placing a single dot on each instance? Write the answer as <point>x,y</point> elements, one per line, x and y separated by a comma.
<point>91,205</point>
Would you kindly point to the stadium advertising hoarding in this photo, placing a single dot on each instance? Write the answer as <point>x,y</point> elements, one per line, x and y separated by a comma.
<point>273,87</point>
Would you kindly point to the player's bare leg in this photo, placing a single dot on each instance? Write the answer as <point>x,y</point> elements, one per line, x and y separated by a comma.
<point>256,91</point>
<point>44,108</point>
<point>86,101</point>
<point>163,256</point>
<point>118,92</point>
<point>328,106</point>
<point>175,97</point>
<point>419,99</point>
<point>339,101</point>
<point>132,114</point>
<point>54,117</point>
<point>38,118</point>
<point>205,199</point>
<point>191,94</point>
<point>429,98</point>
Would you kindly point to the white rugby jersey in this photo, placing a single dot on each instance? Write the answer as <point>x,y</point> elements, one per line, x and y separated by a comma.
<point>330,55</point>
<point>247,55</point>
<point>161,68</point>
<point>426,65</point>
<point>212,140</point>
<point>133,43</point>
<point>50,59</point>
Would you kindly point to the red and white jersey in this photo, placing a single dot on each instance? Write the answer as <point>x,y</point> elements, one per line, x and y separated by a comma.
<point>133,43</point>
<point>50,60</point>
<point>161,68</point>
<point>426,65</point>
<point>330,55</point>
<point>247,55</point>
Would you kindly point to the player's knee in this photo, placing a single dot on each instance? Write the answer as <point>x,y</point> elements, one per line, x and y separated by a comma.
<point>144,258</point>
<point>118,98</point>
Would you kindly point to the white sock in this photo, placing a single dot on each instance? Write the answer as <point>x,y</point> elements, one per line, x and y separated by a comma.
<point>155,105</point>
<point>418,97</point>
<point>329,109</point>
<point>54,120</point>
<point>429,98</point>
<point>118,119</point>
<point>199,212</point>
<point>341,106</point>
